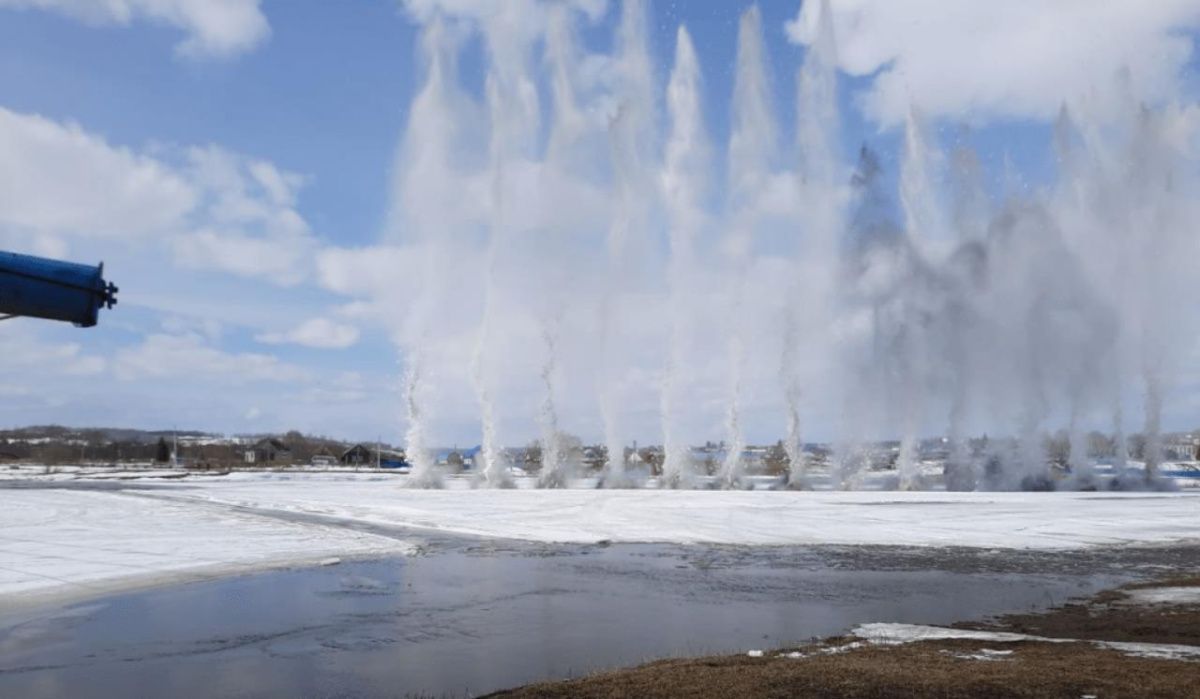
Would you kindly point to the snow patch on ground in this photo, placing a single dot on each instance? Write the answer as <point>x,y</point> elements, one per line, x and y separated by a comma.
<point>895,634</point>
<point>984,654</point>
<point>1165,595</point>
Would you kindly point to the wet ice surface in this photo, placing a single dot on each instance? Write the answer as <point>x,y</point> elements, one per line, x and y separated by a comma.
<point>470,616</point>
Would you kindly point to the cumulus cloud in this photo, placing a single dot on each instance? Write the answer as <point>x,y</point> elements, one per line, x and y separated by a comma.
<point>213,28</point>
<point>190,356</point>
<point>247,223</point>
<point>59,179</point>
<point>321,333</point>
<point>1019,59</point>
<point>215,209</point>
<point>533,11</point>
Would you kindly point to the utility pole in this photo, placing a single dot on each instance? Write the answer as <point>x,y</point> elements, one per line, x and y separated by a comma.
<point>378,452</point>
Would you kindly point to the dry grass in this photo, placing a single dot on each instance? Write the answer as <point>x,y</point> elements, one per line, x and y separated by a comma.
<point>927,669</point>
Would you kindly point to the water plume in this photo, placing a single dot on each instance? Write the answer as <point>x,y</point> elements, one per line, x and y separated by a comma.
<point>819,189</point>
<point>425,180</point>
<point>554,467</point>
<point>753,146</point>
<point>631,138</point>
<point>424,472</point>
<point>687,160</point>
<point>514,114</point>
<point>878,302</point>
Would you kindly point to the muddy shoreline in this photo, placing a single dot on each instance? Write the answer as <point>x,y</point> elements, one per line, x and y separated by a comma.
<point>1111,644</point>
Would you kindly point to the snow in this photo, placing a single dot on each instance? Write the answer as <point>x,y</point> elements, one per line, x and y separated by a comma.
<point>984,654</point>
<point>1166,595</point>
<point>895,634</point>
<point>1059,520</point>
<point>59,540</point>
<point>58,544</point>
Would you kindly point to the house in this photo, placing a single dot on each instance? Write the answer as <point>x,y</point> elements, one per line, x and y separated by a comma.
<point>269,451</point>
<point>358,455</point>
<point>323,457</point>
<point>457,460</point>
<point>1182,448</point>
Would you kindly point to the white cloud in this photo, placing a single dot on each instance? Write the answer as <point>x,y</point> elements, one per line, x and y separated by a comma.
<point>321,333</point>
<point>214,28</point>
<point>190,357</point>
<point>1021,58</point>
<point>530,12</point>
<point>353,271</point>
<point>208,328</point>
<point>283,261</point>
<point>215,209</point>
<point>248,225</point>
<point>381,278</point>
<point>24,352</point>
<point>59,180</point>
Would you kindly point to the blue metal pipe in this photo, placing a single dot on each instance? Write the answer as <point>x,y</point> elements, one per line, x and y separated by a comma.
<point>41,288</point>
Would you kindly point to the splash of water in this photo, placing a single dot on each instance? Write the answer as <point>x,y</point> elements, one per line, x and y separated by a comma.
<point>424,473</point>
<point>896,300</point>
<point>554,468</point>
<point>514,113</point>
<point>631,136</point>
<point>423,181</point>
<point>684,191</point>
<point>753,147</point>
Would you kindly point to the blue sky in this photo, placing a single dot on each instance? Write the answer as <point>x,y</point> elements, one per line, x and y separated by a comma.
<point>321,99</point>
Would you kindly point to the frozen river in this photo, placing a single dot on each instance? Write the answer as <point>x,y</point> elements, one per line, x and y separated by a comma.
<point>335,584</point>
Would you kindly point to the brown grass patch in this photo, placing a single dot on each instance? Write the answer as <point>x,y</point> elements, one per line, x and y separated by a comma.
<point>926,669</point>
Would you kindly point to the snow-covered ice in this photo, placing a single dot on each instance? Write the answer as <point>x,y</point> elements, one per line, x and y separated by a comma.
<point>1061,520</point>
<point>62,544</point>
<point>71,542</point>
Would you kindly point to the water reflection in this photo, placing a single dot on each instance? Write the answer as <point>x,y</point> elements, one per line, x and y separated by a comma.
<point>466,620</point>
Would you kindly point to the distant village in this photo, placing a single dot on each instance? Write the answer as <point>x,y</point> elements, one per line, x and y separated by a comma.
<point>56,445</point>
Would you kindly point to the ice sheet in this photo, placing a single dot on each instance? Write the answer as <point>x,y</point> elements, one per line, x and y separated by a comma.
<point>57,540</point>
<point>1060,520</point>
<point>74,544</point>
